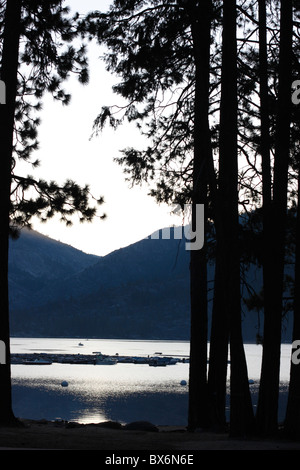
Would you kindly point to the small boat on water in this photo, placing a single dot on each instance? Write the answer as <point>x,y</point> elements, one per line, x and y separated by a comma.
<point>105,360</point>
<point>157,362</point>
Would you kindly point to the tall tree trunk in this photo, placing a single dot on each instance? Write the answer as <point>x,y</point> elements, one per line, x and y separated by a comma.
<point>292,419</point>
<point>267,253</point>
<point>267,410</point>
<point>227,282</point>
<point>219,338</point>
<point>201,30</point>
<point>9,68</point>
<point>218,350</point>
<point>264,111</point>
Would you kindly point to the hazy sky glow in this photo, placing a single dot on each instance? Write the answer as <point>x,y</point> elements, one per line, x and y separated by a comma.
<point>66,151</point>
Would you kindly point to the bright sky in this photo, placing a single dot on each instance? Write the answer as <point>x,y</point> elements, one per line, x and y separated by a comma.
<point>66,151</point>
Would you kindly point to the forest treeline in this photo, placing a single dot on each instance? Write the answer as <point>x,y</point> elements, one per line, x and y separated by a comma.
<point>210,84</point>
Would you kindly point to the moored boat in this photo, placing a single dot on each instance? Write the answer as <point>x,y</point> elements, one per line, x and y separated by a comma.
<point>105,360</point>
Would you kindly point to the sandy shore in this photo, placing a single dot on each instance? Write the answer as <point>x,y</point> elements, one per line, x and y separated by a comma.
<point>69,436</point>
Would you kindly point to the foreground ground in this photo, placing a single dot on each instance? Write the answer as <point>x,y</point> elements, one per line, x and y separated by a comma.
<point>65,436</point>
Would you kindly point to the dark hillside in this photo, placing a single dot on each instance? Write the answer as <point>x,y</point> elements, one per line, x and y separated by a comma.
<point>141,291</point>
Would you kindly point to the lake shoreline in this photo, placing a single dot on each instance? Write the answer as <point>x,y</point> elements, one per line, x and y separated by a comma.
<point>124,392</point>
<point>109,436</point>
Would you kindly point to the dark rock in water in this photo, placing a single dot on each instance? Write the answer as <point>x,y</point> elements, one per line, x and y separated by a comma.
<point>141,426</point>
<point>72,424</point>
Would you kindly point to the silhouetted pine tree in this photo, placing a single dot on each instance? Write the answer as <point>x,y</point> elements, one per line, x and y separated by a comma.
<point>150,48</point>
<point>267,411</point>
<point>156,60</point>
<point>228,253</point>
<point>38,24</point>
<point>9,69</point>
<point>292,418</point>
<point>201,24</point>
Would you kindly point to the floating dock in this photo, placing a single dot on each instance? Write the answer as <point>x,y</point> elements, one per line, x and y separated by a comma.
<point>49,358</point>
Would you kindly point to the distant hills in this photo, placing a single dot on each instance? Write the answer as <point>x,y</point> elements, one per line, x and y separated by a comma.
<point>137,292</point>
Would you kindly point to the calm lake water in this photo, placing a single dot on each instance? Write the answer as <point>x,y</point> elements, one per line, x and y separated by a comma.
<point>122,392</point>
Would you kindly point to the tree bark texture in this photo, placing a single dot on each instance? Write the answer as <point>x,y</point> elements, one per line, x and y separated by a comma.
<point>292,419</point>
<point>227,281</point>
<point>267,411</point>
<point>201,29</point>
<point>9,69</point>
